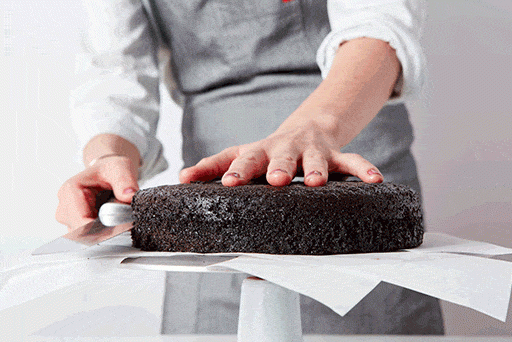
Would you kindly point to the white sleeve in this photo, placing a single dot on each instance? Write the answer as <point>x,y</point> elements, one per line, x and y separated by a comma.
<point>398,22</point>
<point>118,80</point>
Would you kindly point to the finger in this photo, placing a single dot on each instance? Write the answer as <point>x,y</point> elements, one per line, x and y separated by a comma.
<point>281,169</point>
<point>245,167</point>
<point>76,204</point>
<point>121,176</point>
<point>354,164</point>
<point>209,168</point>
<point>316,168</point>
<point>84,210</point>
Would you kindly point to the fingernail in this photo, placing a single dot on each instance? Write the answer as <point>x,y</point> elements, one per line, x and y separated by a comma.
<point>278,170</point>
<point>314,173</point>
<point>232,174</point>
<point>128,191</point>
<point>374,172</point>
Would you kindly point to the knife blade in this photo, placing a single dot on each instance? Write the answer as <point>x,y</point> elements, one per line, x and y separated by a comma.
<point>204,263</point>
<point>113,219</point>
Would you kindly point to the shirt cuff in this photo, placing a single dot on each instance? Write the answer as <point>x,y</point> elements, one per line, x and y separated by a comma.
<point>150,149</point>
<point>412,76</point>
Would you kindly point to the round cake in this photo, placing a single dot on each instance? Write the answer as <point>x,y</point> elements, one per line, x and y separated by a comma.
<point>340,217</point>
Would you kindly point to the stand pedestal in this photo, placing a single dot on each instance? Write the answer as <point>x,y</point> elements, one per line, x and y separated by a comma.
<point>268,313</point>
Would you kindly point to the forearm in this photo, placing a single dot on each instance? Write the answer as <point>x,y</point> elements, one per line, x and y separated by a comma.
<point>360,81</point>
<point>110,144</point>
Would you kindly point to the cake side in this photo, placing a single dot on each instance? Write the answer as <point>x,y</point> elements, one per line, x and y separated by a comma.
<point>340,217</point>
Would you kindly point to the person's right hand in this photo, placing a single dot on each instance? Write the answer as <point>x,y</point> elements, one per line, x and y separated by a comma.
<point>78,195</point>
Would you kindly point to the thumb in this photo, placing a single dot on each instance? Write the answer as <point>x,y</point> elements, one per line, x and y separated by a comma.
<point>125,195</point>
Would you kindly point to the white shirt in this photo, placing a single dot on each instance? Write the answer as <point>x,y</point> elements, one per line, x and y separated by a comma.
<point>119,73</point>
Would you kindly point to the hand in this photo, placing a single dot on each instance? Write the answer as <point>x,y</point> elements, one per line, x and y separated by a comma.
<point>361,79</point>
<point>297,143</point>
<point>78,195</point>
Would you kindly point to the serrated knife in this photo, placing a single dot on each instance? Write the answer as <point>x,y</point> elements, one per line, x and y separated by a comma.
<point>113,219</point>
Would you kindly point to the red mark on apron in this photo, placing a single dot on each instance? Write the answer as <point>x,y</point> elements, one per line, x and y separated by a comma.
<point>286,0</point>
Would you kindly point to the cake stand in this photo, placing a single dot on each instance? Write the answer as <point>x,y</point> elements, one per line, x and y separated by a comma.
<point>268,312</point>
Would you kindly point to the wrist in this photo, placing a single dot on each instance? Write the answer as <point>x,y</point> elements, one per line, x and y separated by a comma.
<point>332,121</point>
<point>105,146</point>
<point>110,155</point>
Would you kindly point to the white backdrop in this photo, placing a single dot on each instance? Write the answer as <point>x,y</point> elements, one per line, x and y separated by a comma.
<point>463,126</point>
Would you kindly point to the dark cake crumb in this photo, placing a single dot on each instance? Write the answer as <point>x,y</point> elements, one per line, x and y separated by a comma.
<point>340,217</point>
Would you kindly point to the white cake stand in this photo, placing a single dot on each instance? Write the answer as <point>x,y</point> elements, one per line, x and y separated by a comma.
<point>268,312</point>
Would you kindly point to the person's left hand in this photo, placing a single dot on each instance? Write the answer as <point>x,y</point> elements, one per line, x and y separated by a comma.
<point>361,79</point>
<point>298,143</point>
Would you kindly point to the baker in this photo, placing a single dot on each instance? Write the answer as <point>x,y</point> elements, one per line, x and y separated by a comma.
<point>268,87</point>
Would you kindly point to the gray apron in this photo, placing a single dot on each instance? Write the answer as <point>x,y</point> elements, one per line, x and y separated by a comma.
<point>244,66</point>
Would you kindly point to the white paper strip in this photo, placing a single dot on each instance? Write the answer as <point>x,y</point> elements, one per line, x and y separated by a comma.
<point>442,243</point>
<point>338,289</point>
<point>479,283</point>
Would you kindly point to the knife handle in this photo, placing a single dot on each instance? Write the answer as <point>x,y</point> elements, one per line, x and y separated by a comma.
<point>113,214</point>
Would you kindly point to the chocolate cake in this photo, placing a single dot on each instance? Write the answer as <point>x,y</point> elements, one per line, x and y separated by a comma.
<point>340,217</point>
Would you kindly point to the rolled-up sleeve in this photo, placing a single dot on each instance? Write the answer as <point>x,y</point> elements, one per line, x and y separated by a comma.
<point>398,22</point>
<point>118,79</point>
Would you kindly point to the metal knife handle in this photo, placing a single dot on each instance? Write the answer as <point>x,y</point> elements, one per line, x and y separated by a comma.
<point>113,214</point>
